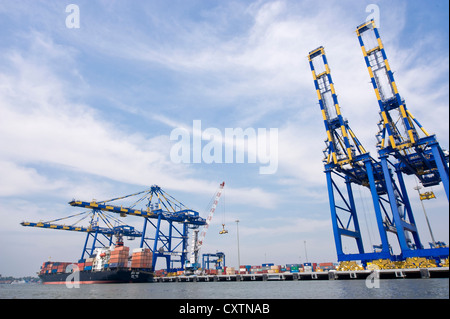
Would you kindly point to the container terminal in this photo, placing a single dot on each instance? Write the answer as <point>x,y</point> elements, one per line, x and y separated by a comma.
<point>404,149</point>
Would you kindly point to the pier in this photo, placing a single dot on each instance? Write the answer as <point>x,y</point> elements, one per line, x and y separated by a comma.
<point>440,272</point>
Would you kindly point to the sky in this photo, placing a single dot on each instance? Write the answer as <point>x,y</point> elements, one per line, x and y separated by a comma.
<point>88,105</point>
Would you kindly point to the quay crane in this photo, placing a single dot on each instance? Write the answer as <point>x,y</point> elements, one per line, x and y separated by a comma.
<point>217,259</point>
<point>345,157</point>
<point>169,218</point>
<point>413,154</point>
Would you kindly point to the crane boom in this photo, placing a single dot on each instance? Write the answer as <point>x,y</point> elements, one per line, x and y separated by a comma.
<point>198,240</point>
<point>126,231</point>
<point>398,136</point>
<point>210,216</point>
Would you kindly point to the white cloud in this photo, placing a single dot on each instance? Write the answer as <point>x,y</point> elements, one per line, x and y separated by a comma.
<point>280,228</point>
<point>19,180</point>
<point>40,123</point>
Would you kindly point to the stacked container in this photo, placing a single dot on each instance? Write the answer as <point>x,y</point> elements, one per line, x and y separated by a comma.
<point>327,266</point>
<point>309,267</point>
<point>50,267</point>
<point>81,264</point>
<point>141,258</point>
<point>293,268</point>
<point>119,257</point>
<point>244,269</point>
<point>274,269</point>
<point>230,271</point>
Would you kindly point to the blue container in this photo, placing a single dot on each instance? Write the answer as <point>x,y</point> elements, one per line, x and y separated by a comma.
<point>88,268</point>
<point>54,271</point>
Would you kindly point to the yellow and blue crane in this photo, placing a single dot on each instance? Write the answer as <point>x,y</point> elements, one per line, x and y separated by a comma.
<point>345,157</point>
<point>165,229</point>
<point>401,146</point>
<point>346,163</point>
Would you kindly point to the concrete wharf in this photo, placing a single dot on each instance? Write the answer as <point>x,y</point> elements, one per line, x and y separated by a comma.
<point>439,272</point>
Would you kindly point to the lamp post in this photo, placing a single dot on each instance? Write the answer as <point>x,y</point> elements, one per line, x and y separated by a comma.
<point>239,255</point>
<point>306,254</point>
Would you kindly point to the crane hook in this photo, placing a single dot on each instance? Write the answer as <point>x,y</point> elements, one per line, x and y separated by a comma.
<point>223,231</point>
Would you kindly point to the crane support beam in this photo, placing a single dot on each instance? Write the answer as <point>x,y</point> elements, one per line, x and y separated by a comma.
<point>128,231</point>
<point>181,216</point>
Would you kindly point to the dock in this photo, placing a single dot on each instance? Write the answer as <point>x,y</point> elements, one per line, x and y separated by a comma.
<point>439,272</point>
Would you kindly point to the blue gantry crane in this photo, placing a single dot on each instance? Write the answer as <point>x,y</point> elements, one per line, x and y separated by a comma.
<point>217,259</point>
<point>401,146</point>
<point>169,219</point>
<point>166,223</point>
<point>346,158</point>
<point>346,163</point>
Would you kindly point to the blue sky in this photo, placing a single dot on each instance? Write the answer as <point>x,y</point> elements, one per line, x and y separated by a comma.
<point>87,113</point>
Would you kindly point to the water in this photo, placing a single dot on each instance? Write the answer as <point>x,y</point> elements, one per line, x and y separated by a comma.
<point>333,289</point>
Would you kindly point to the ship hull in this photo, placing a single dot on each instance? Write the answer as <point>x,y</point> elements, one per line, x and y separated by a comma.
<point>98,277</point>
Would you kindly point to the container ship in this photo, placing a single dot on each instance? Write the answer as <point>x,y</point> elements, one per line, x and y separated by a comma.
<point>105,265</point>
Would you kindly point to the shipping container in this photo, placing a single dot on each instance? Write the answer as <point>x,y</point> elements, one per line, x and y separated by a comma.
<point>275,267</point>
<point>328,264</point>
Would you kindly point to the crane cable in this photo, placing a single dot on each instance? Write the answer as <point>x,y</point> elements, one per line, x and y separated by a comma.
<point>365,216</point>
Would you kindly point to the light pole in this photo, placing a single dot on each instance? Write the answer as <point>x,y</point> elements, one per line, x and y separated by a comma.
<point>306,254</point>
<point>239,255</point>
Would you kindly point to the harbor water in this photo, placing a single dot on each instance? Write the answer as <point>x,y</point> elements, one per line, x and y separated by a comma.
<point>432,288</point>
